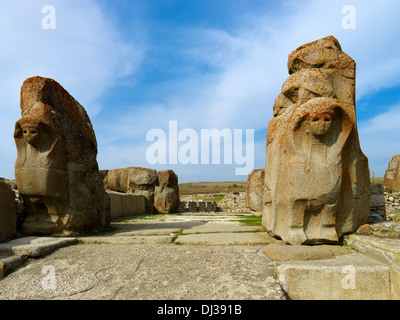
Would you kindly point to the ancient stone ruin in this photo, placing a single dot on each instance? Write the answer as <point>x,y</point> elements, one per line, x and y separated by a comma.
<point>255,190</point>
<point>56,169</point>
<point>316,176</point>
<point>152,190</point>
<point>392,178</point>
<point>166,193</point>
<point>8,214</point>
<point>198,206</point>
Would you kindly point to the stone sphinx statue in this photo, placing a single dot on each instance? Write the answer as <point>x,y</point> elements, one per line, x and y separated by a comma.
<point>316,177</point>
<point>56,169</point>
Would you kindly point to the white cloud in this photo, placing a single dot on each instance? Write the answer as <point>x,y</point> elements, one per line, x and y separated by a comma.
<point>378,138</point>
<point>238,72</point>
<point>86,54</point>
<point>250,65</point>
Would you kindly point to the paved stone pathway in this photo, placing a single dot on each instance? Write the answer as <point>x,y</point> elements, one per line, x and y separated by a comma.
<point>194,256</point>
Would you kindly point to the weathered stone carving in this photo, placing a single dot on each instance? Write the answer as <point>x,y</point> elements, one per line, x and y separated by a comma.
<point>136,180</point>
<point>160,189</point>
<point>56,169</point>
<point>255,190</point>
<point>316,177</point>
<point>166,194</point>
<point>392,178</point>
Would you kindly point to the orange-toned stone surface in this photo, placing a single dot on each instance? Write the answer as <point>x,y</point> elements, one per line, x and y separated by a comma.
<point>56,169</point>
<point>392,177</point>
<point>255,190</point>
<point>166,194</point>
<point>316,176</point>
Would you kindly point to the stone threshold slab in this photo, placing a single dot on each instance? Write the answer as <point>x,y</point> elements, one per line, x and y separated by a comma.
<point>220,228</point>
<point>240,238</point>
<point>347,277</point>
<point>385,250</point>
<point>36,246</point>
<point>283,252</point>
<point>127,239</point>
<point>9,262</point>
<point>146,232</point>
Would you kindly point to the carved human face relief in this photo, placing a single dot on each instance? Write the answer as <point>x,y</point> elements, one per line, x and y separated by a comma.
<point>320,123</point>
<point>31,134</point>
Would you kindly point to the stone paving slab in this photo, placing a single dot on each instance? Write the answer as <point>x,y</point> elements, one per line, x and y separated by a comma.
<point>384,250</point>
<point>147,232</point>
<point>9,262</point>
<point>220,228</point>
<point>241,238</point>
<point>148,271</point>
<point>36,246</point>
<point>346,277</point>
<point>281,252</point>
<point>138,225</point>
<point>127,239</point>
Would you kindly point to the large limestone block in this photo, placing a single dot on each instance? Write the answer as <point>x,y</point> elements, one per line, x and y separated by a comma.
<point>141,204</point>
<point>148,197</point>
<point>130,204</point>
<point>56,169</point>
<point>392,177</point>
<point>135,180</point>
<point>316,176</point>
<point>166,199</point>
<point>8,214</point>
<point>255,190</point>
<point>116,205</point>
<point>166,194</point>
<point>346,277</point>
<point>131,179</point>
<point>126,204</point>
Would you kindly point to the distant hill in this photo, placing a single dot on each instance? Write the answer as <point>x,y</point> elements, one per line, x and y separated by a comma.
<point>211,187</point>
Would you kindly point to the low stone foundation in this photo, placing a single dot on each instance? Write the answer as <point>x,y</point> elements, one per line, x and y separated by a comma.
<point>125,204</point>
<point>198,206</point>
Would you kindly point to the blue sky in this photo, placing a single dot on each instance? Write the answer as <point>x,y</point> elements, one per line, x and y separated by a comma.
<point>136,65</point>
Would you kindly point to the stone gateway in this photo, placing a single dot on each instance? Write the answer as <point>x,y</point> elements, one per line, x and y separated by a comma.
<point>56,169</point>
<point>316,176</point>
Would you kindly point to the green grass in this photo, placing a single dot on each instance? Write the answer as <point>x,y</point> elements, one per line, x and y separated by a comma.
<point>211,187</point>
<point>250,220</point>
<point>214,198</point>
<point>344,243</point>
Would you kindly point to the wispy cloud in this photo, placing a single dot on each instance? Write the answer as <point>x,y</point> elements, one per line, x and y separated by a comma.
<point>85,53</point>
<point>239,72</point>
<point>378,138</point>
<point>229,77</point>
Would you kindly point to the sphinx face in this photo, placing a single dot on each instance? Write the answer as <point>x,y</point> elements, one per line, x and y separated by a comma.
<point>320,123</point>
<point>31,134</point>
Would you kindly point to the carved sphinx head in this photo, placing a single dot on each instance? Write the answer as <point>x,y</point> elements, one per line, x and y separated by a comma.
<point>301,87</point>
<point>35,133</point>
<point>30,132</point>
<point>318,115</point>
<point>320,122</point>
